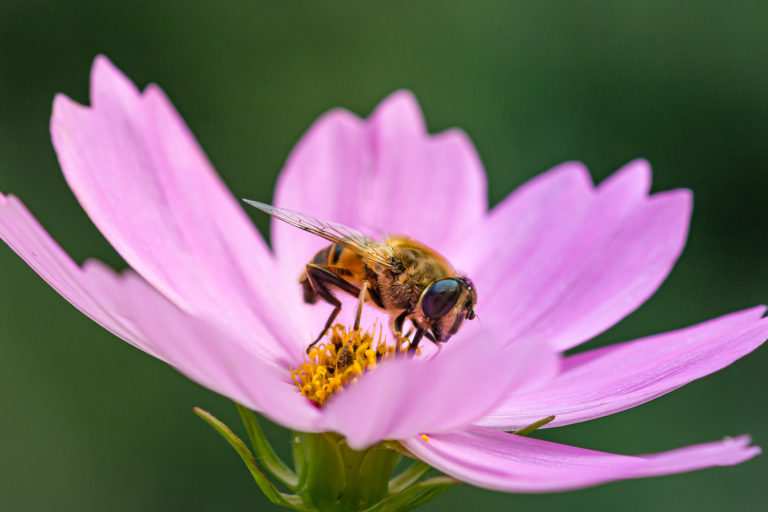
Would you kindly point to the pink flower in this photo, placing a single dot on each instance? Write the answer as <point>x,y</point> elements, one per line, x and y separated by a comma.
<point>557,262</point>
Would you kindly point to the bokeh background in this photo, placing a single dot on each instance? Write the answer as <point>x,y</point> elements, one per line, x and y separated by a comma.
<point>89,423</point>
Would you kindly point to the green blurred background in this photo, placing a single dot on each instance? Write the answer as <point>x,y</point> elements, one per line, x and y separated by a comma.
<point>89,423</point>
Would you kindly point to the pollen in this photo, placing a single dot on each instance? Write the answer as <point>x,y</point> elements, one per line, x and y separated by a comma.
<point>340,360</point>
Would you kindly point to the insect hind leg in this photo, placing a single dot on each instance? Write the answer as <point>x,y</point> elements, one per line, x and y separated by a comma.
<point>310,295</point>
<point>320,278</point>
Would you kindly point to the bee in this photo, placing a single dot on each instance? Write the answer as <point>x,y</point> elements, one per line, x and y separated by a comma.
<point>398,275</point>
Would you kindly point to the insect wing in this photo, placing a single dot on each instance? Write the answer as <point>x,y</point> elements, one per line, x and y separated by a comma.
<point>332,231</point>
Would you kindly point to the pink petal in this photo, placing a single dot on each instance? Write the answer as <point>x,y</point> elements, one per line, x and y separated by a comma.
<point>510,463</point>
<point>129,308</point>
<point>561,261</point>
<point>21,231</point>
<point>141,177</point>
<point>614,378</point>
<point>381,175</point>
<point>208,354</point>
<point>402,398</point>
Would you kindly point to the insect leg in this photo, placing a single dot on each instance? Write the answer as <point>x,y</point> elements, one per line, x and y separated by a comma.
<point>415,341</point>
<point>360,303</point>
<point>319,279</point>
<point>427,334</point>
<point>397,324</point>
<point>344,357</point>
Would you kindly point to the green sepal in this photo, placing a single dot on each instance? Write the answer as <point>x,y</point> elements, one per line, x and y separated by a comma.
<point>299,458</point>
<point>323,477</point>
<point>367,475</point>
<point>408,477</point>
<point>414,496</point>
<point>329,475</point>
<point>533,426</point>
<point>267,487</point>
<point>264,453</point>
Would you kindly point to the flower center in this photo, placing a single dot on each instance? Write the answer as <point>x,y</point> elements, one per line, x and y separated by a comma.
<point>330,365</point>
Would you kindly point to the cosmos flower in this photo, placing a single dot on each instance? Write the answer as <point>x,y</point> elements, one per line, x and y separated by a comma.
<point>557,262</point>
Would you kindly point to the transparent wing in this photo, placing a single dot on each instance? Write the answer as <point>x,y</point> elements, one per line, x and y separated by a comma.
<point>334,232</point>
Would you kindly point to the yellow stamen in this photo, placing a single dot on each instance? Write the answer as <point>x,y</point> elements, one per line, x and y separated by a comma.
<point>425,437</point>
<point>331,365</point>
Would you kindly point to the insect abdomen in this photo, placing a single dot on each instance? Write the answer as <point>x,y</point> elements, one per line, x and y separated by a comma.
<point>329,255</point>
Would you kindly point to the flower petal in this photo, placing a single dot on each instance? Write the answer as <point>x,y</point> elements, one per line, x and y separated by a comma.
<point>141,177</point>
<point>402,398</point>
<point>510,463</point>
<point>129,308</point>
<point>21,231</point>
<point>381,175</point>
<point>208,354</point>
<point>561,261</point>
<point>611,379</point>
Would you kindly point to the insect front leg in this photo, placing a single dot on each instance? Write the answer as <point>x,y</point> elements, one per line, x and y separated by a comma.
<point>415,341</point>
<point>421,333</point>
<point>397,324</point>
<point>427,334</point>
<point>320,278</point>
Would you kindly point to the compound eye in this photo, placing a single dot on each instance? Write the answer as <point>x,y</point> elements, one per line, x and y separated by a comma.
<point>440,297</point>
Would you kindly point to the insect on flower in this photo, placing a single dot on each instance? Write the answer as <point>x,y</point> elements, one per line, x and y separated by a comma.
<point>559,261</point>
<point>403,277</point>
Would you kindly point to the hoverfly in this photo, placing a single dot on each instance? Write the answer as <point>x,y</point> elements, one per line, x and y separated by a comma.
<point>399,275</point>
